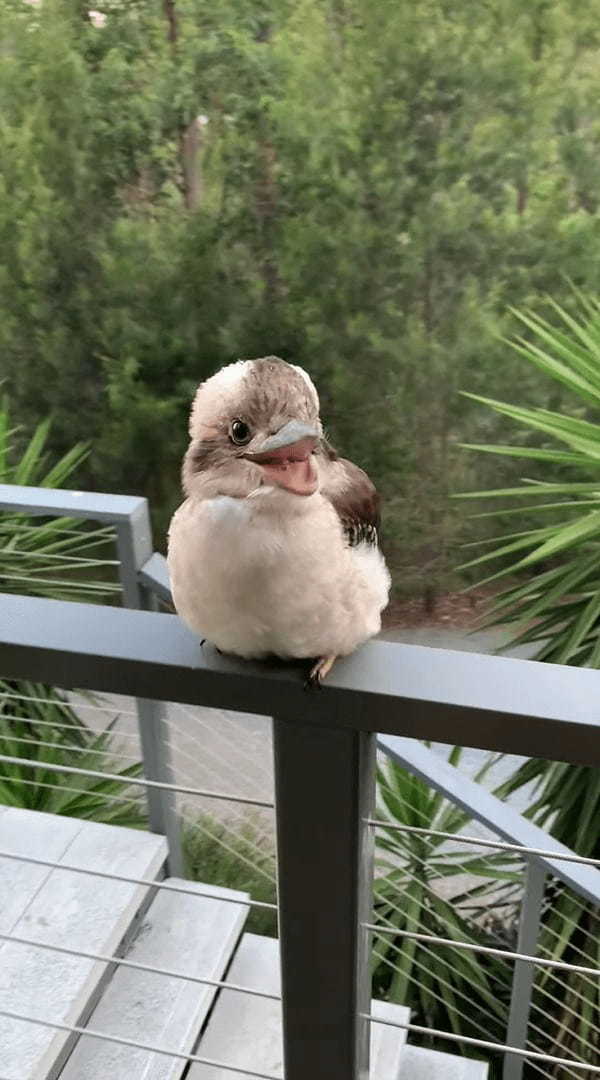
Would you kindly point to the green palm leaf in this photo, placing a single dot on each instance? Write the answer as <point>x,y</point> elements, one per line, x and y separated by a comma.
<point>54,558</point>
<point>559,611</point>
<point>413,872</point>
<point>58,558</point>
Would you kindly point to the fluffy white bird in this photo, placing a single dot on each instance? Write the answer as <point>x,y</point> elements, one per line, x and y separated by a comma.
<point>275,550</point>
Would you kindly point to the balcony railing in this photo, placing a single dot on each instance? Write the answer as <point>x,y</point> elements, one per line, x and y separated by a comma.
<point>388,697</point>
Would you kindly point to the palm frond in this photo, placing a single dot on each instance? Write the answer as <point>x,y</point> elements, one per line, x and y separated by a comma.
<point>558,611</point>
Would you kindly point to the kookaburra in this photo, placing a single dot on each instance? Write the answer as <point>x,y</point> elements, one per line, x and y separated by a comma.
<point>274,551</point>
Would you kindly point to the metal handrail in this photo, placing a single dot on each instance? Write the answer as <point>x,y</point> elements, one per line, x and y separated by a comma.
<point>489,702</point>
<point>487,808</point>
<point>324,831</point>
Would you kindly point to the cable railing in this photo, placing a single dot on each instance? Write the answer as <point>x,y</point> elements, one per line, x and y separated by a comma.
<point>91,1033</point>
<point>128,880</point>
<point>43,1018</point>
<point>479,1018</point>
<point>328,819</point>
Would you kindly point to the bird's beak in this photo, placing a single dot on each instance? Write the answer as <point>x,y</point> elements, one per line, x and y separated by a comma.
<point>286,457</point>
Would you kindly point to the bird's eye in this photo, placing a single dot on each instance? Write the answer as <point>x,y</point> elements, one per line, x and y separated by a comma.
<point>239,432</point>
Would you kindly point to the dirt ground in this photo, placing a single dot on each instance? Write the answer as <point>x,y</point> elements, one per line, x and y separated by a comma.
<point>459,610</point>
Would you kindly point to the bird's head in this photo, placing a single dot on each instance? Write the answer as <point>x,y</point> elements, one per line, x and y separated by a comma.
<point>254,424</point>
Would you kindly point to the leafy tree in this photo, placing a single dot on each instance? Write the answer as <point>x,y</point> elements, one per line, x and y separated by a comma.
<point>360,188</point>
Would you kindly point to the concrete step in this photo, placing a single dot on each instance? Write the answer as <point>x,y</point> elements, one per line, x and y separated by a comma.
<point>421,1064</point>
<point>60,907</point>
<point>180,932</point>
<point>245,1031</point>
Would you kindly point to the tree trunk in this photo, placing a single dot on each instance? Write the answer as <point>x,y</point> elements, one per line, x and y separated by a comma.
<point>190,144</point>
<point>189,138</point>
<point>522,195</point>
<point>169,10</point>
<point>266,212</point>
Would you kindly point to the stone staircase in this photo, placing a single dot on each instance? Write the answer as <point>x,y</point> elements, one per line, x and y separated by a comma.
<point>245,1031</point>
<point>198,936</point>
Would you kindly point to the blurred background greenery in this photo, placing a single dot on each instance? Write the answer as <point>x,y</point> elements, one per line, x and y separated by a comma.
<point>360,186</point>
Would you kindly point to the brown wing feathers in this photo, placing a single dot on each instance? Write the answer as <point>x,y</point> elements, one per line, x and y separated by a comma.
<point>354,498</point>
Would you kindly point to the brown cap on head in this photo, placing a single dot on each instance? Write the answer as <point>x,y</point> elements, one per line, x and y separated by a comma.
<point>258,390</point>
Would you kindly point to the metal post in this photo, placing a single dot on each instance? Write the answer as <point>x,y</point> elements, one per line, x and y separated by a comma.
<point>522,984</point>
<point>324,781</point>
<point>134,547</point>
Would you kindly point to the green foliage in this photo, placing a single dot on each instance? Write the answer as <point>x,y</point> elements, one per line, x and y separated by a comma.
<point>567,802</point>
<point>53,557</point>
<point>366,190</point>
<point>446,987</point>
<point>557,608</point>
<point>218,855</point>
<point>40,725</point>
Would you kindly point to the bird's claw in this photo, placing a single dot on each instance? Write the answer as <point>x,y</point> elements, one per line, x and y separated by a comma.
<point>203,643</point>
<point>312,682</point>
<point>318,672</point>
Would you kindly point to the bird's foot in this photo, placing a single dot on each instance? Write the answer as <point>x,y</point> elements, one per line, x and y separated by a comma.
<point>320,670</point>
<point>203,643</point>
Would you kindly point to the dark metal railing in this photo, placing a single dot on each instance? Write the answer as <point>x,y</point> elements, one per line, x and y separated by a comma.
<point>325,743</point>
